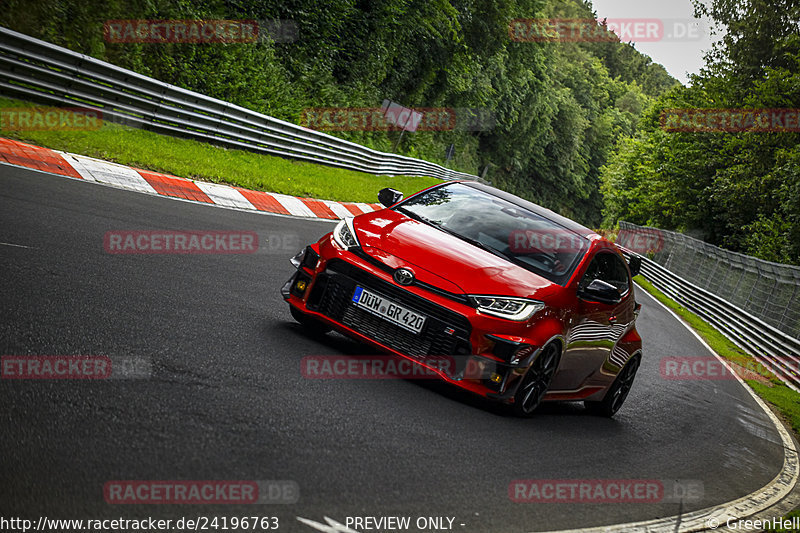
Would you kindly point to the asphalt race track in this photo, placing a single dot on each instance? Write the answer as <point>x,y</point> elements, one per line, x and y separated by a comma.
<point>225,399</point>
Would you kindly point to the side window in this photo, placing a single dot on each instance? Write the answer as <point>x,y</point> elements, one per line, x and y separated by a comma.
<point>609,268</point>
<point>619,274</point>
<point>592,273</point>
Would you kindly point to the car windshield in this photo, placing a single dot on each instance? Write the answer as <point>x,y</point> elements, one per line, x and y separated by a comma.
<point>500,227</point>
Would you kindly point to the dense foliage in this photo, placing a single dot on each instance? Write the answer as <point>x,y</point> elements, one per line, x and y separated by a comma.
<point>560,107</point>
<point>740,190</point>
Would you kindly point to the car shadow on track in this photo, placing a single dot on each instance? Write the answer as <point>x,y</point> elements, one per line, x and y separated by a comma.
<point>453,393</point>
<point>337,344</point>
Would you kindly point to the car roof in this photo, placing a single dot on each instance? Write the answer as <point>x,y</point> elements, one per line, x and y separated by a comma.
<point>535,208</point>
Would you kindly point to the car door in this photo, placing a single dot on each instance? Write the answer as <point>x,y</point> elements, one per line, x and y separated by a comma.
<point>596,326</point>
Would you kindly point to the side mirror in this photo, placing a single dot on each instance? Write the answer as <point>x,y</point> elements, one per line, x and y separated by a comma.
<point>635,264</point>
<point>388,197</point>
<point>600,291</point>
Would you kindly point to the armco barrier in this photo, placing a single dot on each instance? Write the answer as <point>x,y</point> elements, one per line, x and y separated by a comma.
<point>773,348</point>
<point>41,72</point>
<point>766,290</point>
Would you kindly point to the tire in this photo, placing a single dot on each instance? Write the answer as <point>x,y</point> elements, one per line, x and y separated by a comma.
<point>536,381</point>
<point>617,392</point>
<point>311,324</point>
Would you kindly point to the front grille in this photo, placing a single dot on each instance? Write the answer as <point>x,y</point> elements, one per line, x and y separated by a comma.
<point>332,296</point>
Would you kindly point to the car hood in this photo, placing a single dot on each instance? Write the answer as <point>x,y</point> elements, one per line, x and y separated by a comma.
<point>442,259</point>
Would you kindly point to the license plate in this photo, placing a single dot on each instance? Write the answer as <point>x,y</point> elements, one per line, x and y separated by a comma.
<point>386,309</point>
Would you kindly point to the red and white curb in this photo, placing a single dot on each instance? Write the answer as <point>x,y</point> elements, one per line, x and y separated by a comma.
<point>133,179</point>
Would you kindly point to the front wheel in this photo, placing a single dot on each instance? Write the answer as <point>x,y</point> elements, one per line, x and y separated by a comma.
<point>311,324</point>
<point>536,381</point>
<point>618,391</point>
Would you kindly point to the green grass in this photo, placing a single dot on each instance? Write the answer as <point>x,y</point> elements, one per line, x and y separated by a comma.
<point>787,517</point>
<point>772,390</point>
<point>206,162</point>
<point>718,342</point>
<point>787,401</point>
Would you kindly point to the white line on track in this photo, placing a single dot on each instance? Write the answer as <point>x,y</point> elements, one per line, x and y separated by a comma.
<point>715,518</point>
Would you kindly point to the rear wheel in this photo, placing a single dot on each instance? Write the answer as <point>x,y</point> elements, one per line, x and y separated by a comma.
<point>311,324</point>
<point>536,381</point>
<point>618,391</point>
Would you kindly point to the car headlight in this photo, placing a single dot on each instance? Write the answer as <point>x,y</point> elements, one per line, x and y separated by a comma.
<point>344,235</point>
<point>507,307</point>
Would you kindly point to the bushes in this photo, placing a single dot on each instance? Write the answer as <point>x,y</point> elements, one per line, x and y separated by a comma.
<point>560,107</point>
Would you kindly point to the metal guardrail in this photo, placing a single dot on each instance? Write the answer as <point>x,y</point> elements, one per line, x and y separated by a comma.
<point>41,72</point>
<point>769,291</point>
<point>44,73</point>
<point>775,349</point>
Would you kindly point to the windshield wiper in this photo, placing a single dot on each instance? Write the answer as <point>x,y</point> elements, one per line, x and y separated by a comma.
<point>411,214</point>
<point>469,240</point>
<point>495,251</point>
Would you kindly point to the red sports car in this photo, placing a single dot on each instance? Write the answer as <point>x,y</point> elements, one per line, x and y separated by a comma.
<point>530,305</point>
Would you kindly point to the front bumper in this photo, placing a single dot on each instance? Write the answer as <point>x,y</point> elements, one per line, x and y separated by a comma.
<point>455,342</point>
